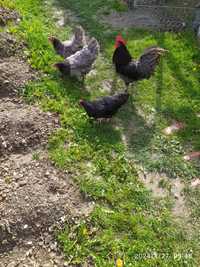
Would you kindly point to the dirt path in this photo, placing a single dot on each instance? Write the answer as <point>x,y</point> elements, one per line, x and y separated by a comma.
<point>35,197</point>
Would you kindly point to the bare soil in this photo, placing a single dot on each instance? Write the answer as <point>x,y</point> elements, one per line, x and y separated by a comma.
<point>162,186</point>
<point>14,73</point>
<point>7,15</point>
<point>35,197</point>
<point>9,46</point>
<point>23,127</point>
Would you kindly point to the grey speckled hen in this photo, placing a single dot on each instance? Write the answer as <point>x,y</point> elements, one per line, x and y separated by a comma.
<point>70,47</point>
<point>81,62</point>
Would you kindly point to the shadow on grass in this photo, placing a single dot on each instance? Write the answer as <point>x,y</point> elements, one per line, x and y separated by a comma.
<point>189,91</point>
<point>136,132</point>
<point>185,109</point>
<point>87,128</point>
<point>135,129</point>
<point>160,86</point>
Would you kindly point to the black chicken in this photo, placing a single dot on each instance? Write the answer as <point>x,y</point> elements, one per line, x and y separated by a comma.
<point>105,107</point>
<point>131,70</point>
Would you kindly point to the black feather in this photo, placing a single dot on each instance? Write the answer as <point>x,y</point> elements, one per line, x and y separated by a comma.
<point>133,70</point>
<point>58,46</point>
<point>64,68</point>
<point>105,107</point>
<point>121,56</point>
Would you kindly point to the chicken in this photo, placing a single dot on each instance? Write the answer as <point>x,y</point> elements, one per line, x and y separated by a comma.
<point>69,47</point>
<point>105,107</point>
<point>80,63</point>
<point>131,70</point>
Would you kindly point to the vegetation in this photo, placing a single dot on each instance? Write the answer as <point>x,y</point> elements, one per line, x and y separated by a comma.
<point>127,226</point>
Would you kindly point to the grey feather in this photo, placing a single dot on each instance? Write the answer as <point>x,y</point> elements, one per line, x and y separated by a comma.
<point>81,62</point>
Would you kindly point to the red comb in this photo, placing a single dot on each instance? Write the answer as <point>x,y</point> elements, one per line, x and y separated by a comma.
<point>118,40</point>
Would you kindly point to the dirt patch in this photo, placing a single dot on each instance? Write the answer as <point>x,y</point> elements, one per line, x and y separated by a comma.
<point>32,255</point>
<point>33,196</point>
<point>14,73</point>
<point>14,70</point>
<point>162,186</point>
<point>9,46</point>
<point>7,15</point>
<point>23,127</point>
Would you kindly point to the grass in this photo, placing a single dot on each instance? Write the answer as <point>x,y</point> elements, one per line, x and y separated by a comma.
<point>127,224</point>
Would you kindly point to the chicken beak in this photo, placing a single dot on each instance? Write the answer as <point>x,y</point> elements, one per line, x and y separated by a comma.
<point>54,66</point>
<point>81,102</point>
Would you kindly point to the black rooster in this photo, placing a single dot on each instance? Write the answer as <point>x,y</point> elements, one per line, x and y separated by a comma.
<point>105,107</point>
<point>131,70</point>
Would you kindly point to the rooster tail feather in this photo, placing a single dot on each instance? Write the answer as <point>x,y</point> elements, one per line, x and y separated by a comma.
<point>149,60</point>
<point>156,50</point>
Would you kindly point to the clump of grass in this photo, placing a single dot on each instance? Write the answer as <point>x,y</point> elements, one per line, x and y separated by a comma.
<point>7,4</point>
<point>36,156</point>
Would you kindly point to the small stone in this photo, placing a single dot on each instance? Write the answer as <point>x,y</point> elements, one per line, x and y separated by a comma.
<point>47,265</point>
<point>6,82</point>
<point>175,127</point>
<point>25,226</point>
<point>22,183</point>
<point>29,253</point>
<point>4,242</point>
<point>53,246</point>
<point>47,174</point>
<point>52,255</point>
<point>176,196</point>
<point>29,243</point>
<point>4,144</point>
<point>41,243</point>
<point>48,239</point>
<point>195,183</point>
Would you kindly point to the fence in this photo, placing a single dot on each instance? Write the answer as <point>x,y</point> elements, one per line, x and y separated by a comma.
<point>172,15</point>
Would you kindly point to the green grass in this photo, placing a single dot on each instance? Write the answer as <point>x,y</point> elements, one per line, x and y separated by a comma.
<point>127,222</point>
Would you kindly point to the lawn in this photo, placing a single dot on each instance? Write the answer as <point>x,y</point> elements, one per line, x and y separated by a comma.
<point>128,226</point>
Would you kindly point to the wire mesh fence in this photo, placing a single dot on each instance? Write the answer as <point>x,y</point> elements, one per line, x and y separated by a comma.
<point>172,15</point>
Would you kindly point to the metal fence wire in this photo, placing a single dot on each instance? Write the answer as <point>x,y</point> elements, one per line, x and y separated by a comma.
<point>172,15</point>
